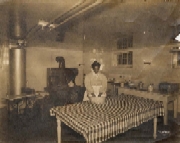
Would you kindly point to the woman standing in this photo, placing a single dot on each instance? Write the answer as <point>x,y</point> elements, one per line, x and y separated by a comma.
<point>95,82</point>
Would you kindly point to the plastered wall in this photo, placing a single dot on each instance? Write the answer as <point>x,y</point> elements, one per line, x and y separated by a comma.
<point>39,59</point>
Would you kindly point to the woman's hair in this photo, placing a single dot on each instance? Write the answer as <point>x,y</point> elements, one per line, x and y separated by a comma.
<point>95,63</point>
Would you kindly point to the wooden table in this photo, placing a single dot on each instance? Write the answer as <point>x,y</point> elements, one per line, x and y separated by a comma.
<point>99,122</point>
<point>155,96</point>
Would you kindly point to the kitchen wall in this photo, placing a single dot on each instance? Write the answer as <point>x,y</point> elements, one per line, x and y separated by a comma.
<point>42,49</point>
<point>151,37</point>
<point>4,84</point>
<point>158,71</point>
<point>95,38</point>
<point>41,58</point>
<point>4,68</point>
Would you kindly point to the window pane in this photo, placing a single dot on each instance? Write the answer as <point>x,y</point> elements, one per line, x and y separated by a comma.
<point>119,59</point>
<point>125,58</point>
<point>124,43</point>
<point>124,61</point>
<point>124,55</point>
<point>130,57</point>
<point>178,58</point>
<point>119,44</point>
<point>130,41</point>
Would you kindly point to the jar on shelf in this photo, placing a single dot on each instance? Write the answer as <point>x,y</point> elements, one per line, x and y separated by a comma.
<point>151,87</point>
<point>140,85</point>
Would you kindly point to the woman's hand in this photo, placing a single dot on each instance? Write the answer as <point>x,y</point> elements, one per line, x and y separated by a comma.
<point>91,95</point>
<point>100,94</point>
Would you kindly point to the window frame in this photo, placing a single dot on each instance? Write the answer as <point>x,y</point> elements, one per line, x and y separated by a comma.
<point>175,61</point>
<point>124,42</point>
<point>124,60</point>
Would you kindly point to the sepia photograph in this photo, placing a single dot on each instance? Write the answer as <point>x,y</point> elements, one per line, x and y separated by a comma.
<point>89,71</point>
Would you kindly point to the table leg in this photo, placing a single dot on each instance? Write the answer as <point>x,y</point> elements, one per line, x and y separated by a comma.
<point>175,107</point>
<point>17,104</point>
<point>155,128</point>
<point>8,102</point>
<point>114,90</point>
<point>59,130</point>
<point>42,110</point>
<point>165,112</point>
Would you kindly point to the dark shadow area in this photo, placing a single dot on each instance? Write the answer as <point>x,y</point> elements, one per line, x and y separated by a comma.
<point>34,129</point>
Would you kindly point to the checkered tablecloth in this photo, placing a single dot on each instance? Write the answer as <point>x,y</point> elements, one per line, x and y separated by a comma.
<point>99,122</point>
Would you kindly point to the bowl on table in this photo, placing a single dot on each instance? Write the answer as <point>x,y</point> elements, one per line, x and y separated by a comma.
<point>97,100</point>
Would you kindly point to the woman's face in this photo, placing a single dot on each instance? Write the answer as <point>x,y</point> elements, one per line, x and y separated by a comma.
<point>96,69</point>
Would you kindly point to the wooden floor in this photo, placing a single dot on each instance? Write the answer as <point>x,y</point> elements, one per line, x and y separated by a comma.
<point>34,130</point>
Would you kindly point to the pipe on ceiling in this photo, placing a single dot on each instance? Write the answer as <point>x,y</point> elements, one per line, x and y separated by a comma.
<point>78,6</point>
<point>84,10</point>
<point>92,5</point>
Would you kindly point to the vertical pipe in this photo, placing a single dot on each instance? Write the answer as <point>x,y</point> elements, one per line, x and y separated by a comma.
<point>17,71</point>
<point>17,21</point>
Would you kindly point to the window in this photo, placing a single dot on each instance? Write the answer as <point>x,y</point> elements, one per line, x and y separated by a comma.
<point>125,42</point>
<point>125,58</point>
<point>176,60</point>
<point>122,56</point>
